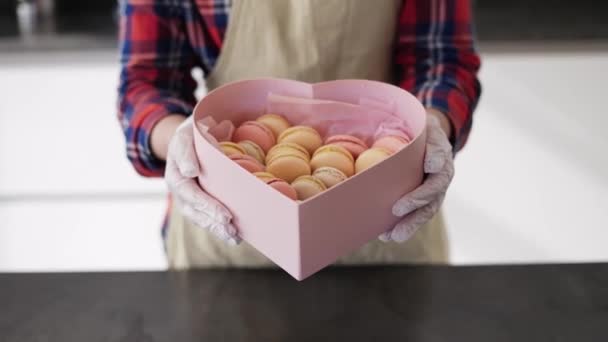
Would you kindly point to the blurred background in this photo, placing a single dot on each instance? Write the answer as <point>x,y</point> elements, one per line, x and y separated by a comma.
<point>531,185</point>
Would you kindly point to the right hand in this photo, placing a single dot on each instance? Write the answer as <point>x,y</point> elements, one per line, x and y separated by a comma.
<point>196,205</point>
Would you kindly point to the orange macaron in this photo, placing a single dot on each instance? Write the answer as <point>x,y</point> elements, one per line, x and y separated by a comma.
<point>288,161</point>
<point>287,148</point>
<point>308,186</point>
<point>276,122</point>
<point>304,136</point>
<point>393,143</point>
<point>256,132</point>
<point>351,143</point>
<point>229,148</point>
<point>334,156</point>
<point>247,162</point>
<point>370,158</point>
<point>264,176</point>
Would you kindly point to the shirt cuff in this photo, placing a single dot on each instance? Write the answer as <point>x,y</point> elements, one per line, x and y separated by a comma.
<point>146,163</point>
<point>455,105</point>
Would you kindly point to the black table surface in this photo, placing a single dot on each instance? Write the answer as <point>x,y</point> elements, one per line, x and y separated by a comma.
<point>413,303</point>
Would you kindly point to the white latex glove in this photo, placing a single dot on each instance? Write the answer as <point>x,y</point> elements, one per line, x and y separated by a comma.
<point>420,205</point>
<point>195,204</point>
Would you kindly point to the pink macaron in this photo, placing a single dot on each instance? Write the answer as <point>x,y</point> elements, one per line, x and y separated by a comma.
<point>283,187</point>
<point>351,143</point>
<point>247,162</point>
<point>256,132</point>
<point>393,143</point>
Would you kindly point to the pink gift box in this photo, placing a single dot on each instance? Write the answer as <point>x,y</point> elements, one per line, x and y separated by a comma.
<point>304,237</point>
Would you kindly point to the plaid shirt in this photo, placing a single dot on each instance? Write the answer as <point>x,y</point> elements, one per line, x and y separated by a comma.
<point>161,41</point>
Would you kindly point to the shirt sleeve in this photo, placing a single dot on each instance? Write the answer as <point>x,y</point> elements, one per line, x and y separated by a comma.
<point>437,60</point>
<point>155,77</point>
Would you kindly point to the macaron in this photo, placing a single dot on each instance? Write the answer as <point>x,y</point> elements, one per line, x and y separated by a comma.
<point>247,162</point>
<point>308,186</point>
<point>254,150</point>
<point>276,122</point>
<point>370,158</point>
<point>256,132</point>
<point>264,176</point>
<point>351,143</point>
<point>288,164</point>
<point>393,143</point>
<point>304,136</point>
<point>335,156</point>
<point>229,148</point>
<point>283,187</point>
<point>330,176</point>
<point>283,148</point>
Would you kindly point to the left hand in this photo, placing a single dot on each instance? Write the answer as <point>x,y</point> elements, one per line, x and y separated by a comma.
<point>420,205</point>
<point>199,207</point>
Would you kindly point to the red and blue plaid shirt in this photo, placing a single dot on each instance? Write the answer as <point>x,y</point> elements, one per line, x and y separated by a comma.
<point>161,41</point>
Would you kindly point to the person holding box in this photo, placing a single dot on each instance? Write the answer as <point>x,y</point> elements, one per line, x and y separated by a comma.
<point>424,46</point>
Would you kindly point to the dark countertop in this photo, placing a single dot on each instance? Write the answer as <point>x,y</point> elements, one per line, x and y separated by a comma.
<point>419,303</point>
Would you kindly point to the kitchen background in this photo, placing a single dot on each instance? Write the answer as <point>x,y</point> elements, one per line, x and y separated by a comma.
<point>531,185</point>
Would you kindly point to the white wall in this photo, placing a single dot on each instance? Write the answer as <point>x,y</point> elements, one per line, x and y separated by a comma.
<point>69,199</point>
<point>531,185</point>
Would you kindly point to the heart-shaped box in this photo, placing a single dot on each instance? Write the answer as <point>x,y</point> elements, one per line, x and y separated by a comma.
<point>303,237</point>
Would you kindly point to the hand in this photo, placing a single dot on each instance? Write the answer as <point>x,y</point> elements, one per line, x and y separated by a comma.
<point>420,205</point>
<point>196,205</point>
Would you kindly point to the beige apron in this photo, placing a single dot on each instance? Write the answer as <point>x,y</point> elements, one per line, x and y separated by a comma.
<point>307,40</point>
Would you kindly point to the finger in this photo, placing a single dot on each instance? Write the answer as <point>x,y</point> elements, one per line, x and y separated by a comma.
<point>184,153</point>
<point>435,184</point>
<point>198,218</point>
<point>436,135</point>
<point>173,176</point>
<point>202,219</point>
<point>225,232</point>
<point>386,236</point>
<point>191,193</point>
<point>222,232</point>
<point>435,158</point>
<point>408,226</point>
<point>438,149</point>
<point>234,233</point>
